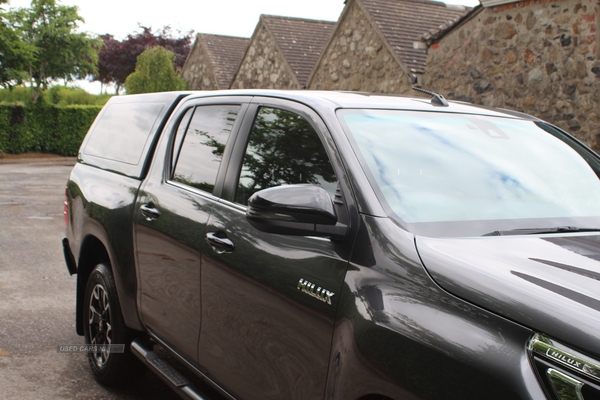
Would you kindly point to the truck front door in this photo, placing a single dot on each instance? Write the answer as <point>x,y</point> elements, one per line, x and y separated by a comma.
<point>265,334</point>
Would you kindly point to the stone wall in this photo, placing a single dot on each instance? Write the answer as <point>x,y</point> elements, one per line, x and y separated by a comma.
<point>357,59</point>
<point>538,57</point>
<point>264,66</point>
<point>197,71</point>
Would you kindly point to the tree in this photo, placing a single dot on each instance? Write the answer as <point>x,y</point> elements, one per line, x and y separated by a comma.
<point>117,59</point>
<point>154,72</point>
<point>113,63</point>
<point>59,52</point>
<point>14,54</point>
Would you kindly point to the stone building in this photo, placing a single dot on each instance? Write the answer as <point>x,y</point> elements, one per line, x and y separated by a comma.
<point>537,56</point>
<point>282,53</point>
<point>371,48</point>
<point>213,60</point>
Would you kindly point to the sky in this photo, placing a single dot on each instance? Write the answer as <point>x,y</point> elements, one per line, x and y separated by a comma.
<point>223,17</point>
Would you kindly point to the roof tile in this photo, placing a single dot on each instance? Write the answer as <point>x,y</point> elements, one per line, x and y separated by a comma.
<point>301,41</point>
<point>226,53</point>
<point>403,22</point>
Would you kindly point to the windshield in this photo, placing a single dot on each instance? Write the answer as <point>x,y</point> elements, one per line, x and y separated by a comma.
<point>434,168</point>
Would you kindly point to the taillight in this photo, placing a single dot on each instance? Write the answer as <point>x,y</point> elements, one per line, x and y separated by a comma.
<point>66,207</point>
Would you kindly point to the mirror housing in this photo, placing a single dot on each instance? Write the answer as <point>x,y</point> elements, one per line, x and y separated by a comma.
<point>299,210</point>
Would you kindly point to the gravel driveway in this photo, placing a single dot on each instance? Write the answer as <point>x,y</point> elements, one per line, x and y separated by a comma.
<point>37,295</point>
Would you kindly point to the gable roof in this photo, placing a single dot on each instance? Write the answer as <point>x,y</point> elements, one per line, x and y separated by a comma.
<point>403,22</point>
<point>225,53</point>
<point>435,35</point>
<point>300,40</point>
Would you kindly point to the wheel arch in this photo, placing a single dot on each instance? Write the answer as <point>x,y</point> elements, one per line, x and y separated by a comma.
<point>92,253</point>
<point>96,248</point>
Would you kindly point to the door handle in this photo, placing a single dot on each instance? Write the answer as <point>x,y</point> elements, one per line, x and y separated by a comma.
<point>150,212</point>
<point>219,244</point>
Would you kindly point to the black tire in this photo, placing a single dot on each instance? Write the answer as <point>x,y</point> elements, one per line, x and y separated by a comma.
<point>103,324</point>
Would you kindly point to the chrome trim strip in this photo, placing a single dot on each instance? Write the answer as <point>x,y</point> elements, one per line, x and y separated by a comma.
<point>542,345</point>
<point>193,190</point>
<point>565,387</point>
<point>237,206</point>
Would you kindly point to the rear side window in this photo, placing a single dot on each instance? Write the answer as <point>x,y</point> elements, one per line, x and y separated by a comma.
<point>123,131</point>
<point>202,149</point>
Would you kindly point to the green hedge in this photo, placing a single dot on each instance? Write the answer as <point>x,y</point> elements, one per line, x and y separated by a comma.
<point>49,129</point>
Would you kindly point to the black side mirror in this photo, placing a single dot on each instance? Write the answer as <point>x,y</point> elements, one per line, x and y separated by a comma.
<point>301,210</point>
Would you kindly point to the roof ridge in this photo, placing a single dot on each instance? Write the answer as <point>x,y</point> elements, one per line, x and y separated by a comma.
<point>431,2</point>
<point>271,16</point>
<point>224,36</point>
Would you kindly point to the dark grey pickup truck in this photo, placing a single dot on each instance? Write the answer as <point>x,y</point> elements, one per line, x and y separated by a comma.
<point>323,245</point>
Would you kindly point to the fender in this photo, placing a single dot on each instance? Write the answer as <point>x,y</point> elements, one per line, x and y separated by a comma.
<point>397,331</point>
<point>105,216</point>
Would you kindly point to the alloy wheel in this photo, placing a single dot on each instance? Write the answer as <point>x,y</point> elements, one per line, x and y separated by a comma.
<point>100,328</point>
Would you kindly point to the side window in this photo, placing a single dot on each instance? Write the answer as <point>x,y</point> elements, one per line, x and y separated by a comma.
<point>181,129</point>
<point>123,131</point>
<point>283,148</point>
<point>202,148</point>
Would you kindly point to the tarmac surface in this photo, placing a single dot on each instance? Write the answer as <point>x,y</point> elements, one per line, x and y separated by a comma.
<point>37,295</point>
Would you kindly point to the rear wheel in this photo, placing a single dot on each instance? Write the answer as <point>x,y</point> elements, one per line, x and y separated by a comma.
<point>104,328</point>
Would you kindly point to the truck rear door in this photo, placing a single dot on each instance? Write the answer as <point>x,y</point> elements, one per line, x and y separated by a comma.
<point>172,212</point>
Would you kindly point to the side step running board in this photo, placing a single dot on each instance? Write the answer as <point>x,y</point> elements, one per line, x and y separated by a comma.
<point>167,373</point>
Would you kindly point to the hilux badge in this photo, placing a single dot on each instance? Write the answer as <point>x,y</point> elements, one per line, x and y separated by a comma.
<point>309,288</point>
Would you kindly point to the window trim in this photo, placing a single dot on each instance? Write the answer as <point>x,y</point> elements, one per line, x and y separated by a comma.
<point>294,114</point>
<point>169,166</point>
<point>172,161</point>
<point>235,163</point>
